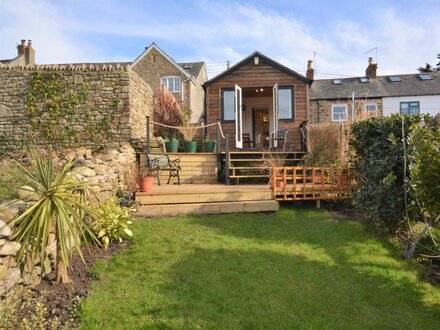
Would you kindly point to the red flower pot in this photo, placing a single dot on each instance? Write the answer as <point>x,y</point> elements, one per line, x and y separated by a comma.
<point>146,183</point>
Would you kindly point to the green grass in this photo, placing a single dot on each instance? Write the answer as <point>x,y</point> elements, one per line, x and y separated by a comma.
<point>6,190</point>
<point>295,269</point>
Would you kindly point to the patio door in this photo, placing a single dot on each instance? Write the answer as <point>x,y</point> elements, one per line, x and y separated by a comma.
<point>238,118</point>
<point>273,142</point>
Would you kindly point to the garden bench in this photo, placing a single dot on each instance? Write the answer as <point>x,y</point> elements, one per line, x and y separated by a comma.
<point>162,162</point>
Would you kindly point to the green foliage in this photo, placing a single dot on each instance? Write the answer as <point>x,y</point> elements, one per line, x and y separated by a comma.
<point>378,163</point>
<point>61,203</point>
<point>111,222</point>
<point>425,172</point>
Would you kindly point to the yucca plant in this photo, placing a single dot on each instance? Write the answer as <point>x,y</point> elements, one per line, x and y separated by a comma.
<point>62,203</point>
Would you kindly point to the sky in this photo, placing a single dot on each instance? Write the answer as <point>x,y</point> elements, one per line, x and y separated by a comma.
<point>336,34</point>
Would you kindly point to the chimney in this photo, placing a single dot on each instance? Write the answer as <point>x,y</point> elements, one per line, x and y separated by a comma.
<point>310,74</point>
<point>29,54</point>
<point>20,48</point>
<point>371,71</point>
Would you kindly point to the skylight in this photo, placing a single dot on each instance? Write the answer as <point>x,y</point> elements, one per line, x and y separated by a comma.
<point>364,79</point>
<point>425,77</point>
<point>394,78</point>
<point>337,81</point>
<point>187,66</point>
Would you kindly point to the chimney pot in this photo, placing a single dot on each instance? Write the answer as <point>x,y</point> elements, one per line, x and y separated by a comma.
<point>310,73</point>
<point>23,42</point>
<point>30,43</point>
<point>20,48</point>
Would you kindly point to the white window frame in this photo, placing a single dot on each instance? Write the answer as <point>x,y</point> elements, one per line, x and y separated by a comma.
<point>346,112</point>
<point>368,104</point>
<point>165,81</point>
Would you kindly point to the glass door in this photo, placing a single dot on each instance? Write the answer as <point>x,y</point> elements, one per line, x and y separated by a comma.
<point>273,142</point>
<point>238,118</point>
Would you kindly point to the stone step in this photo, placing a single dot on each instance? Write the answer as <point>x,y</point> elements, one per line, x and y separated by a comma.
<point>167,210</point>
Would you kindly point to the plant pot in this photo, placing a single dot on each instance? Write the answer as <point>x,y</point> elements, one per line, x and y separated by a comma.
<point>190,147</point>
<point>146,183</point>
<point>172,145</point>
<point>279,183</point>
<point>210,146</point>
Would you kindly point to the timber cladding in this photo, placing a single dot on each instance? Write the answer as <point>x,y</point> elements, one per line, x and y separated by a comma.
<point>261,75</point>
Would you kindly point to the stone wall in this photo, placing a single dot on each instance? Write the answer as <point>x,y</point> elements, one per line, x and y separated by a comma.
<point>320,111</point>
<point>114,92</point>
<point>106,172</point>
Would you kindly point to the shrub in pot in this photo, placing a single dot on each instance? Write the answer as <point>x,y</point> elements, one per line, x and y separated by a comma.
<point>172,145</point>
<point>189,144</point>
<point>209,145</point>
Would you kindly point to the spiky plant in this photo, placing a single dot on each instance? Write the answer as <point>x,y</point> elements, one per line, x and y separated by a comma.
<point>61,201</point>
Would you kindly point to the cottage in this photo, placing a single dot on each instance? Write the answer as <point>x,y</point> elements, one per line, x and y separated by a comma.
<point>260,102</point>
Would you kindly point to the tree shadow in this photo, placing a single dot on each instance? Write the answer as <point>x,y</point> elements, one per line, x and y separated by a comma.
<point>236,289</point>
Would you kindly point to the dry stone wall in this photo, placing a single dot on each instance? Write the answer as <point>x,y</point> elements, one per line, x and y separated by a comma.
<point>113,91</point>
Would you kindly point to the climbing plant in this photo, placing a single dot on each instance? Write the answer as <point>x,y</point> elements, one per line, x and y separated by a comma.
<point>59,112</point>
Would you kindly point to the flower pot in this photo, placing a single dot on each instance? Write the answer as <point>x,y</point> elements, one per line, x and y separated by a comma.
<point>279,183</point>
<point>210,146</point>
<point>172,145</point>
<point>146,183</point>
<point>190,147</point>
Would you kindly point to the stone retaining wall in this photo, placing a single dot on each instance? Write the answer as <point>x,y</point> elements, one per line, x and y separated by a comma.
<point>107,171</point>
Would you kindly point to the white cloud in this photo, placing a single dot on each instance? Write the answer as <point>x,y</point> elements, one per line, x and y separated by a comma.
<point>218,31</point>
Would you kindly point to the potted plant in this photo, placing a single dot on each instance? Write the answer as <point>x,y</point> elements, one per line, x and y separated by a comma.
<point>146,179</point>
<point>209,145</point>
<point>271,160</point>
<point>172,145</point>
<point>189,144</point>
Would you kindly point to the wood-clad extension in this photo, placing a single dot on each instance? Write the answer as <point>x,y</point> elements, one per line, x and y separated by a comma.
<point>248,75</point>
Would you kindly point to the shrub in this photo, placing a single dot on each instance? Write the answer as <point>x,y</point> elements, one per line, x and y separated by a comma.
<point>166,111</point>
<point>379,168</point>
<point>61,203</point>
<point>111,222</point>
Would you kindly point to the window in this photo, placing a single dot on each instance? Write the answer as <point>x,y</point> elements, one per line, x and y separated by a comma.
<point>364,80</point>
<point>409,108</point>
<point>337,82</point>
<point>228,105</point>
<point>285,103</point>
<point>339,112</point>
<point>425,77</point>
<point>172,83</point>
<point>394,78</point>
<point>369,107</point>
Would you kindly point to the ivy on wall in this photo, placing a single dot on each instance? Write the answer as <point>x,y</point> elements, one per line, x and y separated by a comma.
<point>59,112</point>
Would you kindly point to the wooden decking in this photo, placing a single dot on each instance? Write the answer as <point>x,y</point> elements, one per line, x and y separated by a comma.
<point>172,200</point>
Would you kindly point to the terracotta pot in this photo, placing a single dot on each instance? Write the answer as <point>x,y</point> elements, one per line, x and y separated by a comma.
<point>146,183</point>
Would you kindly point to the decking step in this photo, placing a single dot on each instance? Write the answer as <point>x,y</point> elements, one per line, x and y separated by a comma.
<point>165,210</point>
<point>203,196</point>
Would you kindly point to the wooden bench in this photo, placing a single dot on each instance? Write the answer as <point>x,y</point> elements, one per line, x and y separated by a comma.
<point>162,162</point>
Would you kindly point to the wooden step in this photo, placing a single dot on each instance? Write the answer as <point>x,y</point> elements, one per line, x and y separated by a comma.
<point>202,197</point>
<point>168,210</point>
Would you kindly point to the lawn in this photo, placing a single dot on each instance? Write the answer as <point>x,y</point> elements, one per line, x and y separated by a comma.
<point>294,269</point>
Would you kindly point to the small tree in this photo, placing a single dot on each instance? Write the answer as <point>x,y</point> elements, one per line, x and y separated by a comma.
<point>60,208</point>
<point>166,111</point>
<point>429,68</point>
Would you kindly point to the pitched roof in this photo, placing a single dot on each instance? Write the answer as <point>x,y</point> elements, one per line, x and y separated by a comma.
<point>154,46</point>
<point>410,85</point>
<point>193,68</point>
<point>265,59</point>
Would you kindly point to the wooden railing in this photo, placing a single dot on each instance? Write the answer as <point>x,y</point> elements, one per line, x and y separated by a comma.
<point>311,183</point>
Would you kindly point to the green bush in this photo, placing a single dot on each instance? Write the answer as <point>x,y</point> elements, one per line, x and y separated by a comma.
<point>379,168</point>
<point>111,222</point>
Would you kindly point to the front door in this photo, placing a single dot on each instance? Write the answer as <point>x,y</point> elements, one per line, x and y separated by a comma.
<point>260,126</point>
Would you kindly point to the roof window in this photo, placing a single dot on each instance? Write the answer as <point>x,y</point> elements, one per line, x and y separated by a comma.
<point>394,78</point>
<point>425,77</point>
<point>337,82</point>
<point>364,80</point>
<point>187,66</point>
